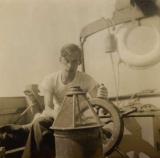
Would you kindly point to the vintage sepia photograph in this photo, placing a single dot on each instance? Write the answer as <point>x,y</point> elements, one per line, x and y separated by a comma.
<point>79,78</point>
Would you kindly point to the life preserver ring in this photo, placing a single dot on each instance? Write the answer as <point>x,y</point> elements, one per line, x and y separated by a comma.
<point>132,58</point>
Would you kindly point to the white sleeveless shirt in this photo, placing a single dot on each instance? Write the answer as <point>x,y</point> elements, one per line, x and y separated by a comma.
<point>53,84</point>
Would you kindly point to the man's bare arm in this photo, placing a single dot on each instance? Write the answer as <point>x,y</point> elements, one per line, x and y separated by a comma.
<point>99,91</point>
<point>48,102</point>
<point>47,112</point>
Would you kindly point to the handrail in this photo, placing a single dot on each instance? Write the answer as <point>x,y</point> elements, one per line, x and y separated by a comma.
<point>128,96</point>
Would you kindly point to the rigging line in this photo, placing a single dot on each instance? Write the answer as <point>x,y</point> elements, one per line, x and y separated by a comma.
<point>118,81</point>
<point>116,71</point>
<point>116,78</point>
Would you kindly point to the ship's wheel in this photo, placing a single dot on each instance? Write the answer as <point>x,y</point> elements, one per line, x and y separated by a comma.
<point>113,128</point>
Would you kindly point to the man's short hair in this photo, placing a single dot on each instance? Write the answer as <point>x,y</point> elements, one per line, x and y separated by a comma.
<point>71,51</point>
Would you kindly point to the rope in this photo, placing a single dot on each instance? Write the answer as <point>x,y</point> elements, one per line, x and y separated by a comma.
<point>116,75</point>
<point>116,78</point>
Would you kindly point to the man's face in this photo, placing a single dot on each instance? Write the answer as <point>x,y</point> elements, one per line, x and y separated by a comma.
<point>70,64</point>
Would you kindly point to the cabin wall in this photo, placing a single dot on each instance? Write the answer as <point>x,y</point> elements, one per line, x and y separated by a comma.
<point>131,79</point>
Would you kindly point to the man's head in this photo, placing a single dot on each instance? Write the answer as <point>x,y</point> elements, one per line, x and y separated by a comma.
<point>70,57</point>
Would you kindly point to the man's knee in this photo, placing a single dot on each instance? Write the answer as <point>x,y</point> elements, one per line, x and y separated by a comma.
<point>45,122</point>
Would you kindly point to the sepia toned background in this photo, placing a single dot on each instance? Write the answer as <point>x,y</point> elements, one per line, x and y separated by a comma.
<point>32,33</point>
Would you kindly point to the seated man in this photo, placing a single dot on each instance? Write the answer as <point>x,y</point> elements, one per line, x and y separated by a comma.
<point>40,142</point>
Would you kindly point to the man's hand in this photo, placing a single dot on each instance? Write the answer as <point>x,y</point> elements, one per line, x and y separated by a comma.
<point>102,92</point>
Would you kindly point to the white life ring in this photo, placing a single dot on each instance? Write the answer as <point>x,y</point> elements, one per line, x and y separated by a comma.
<point>133,59</point>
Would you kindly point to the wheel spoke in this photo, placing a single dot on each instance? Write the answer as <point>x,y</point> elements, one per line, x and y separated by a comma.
<point>113,124</point>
